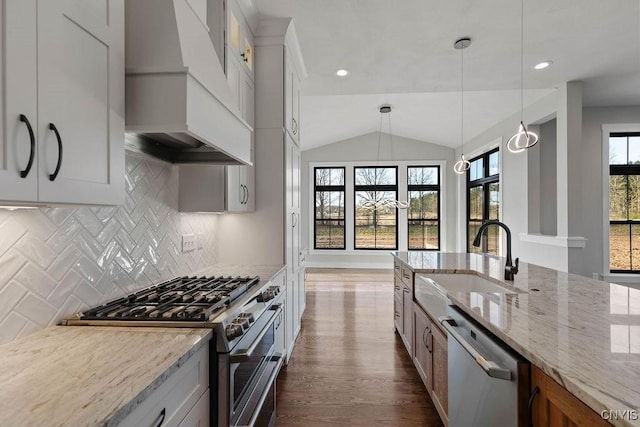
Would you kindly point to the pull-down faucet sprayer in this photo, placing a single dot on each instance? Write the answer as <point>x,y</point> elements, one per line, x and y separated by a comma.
<point>509,269</point>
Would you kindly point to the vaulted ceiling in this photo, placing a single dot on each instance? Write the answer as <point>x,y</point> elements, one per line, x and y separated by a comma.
<point>401,52</point>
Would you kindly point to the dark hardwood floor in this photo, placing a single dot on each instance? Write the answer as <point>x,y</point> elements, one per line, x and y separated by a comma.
<point>348,366</point>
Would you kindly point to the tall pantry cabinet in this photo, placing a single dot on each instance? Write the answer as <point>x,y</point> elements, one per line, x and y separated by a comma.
<point>278,76</point>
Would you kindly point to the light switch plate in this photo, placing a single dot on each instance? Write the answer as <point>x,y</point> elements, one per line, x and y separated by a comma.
<point>188,242</point>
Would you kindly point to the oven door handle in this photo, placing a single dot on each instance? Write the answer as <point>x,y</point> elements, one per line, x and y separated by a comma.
<point>243,354</point>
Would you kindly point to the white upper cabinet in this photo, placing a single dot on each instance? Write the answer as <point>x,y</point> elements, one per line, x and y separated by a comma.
<point>292,100</point>
<point>216,188</point>
<point>240,195</point>
<point>19,118</point>
<point>239,38</point>
<point>66,74</point>
<point>240,63</point>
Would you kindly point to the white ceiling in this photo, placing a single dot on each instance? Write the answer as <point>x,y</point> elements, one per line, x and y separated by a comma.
<point>401,52</point>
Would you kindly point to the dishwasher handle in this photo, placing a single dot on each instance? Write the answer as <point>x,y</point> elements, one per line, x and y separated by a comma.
<point>490,367</point>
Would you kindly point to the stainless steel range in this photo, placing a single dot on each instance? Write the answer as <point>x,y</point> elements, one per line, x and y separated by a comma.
<point>240,310</point>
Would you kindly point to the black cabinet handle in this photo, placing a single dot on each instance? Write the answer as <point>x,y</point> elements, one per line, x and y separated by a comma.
<point>54,175</point>
<point>160,418</point>
<point>295,126</point>
<point>247,198</point>
<point>424,337</point>
<point>32,138</point>
<point>531,399</point>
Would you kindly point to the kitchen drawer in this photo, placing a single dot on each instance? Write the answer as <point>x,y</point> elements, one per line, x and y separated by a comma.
<point>397,266</point>
<point>407,276</point>
<point>175,397</point>
<point>198,416</point>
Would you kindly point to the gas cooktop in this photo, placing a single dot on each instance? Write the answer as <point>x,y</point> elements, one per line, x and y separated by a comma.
<point>180,299</point>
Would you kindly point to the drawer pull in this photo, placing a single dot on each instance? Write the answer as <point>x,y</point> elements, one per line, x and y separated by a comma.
<point>160,418</point>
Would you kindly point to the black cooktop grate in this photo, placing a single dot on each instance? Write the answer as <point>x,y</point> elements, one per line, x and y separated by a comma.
<point>182,298</point>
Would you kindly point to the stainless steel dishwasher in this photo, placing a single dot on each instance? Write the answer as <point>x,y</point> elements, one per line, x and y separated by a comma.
<point>488,381</point>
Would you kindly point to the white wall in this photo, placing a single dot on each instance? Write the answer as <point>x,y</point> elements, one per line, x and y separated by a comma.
<point>364,149</point>
<point>579,168</point>
<point>513,181</point>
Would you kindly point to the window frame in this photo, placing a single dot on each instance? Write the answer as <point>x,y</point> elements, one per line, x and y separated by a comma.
<point>625,170</point>
<point>424,187</point>
<point>384,187</point>
<point>485,182</point>
<point>331,188</point>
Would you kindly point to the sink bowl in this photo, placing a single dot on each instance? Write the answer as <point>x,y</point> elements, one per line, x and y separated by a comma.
<point>470,283</point>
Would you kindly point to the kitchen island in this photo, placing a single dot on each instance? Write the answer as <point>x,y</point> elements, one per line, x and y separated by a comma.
<point>583,333</point>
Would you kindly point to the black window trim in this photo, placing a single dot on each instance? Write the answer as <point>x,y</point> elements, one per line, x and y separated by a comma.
<point>484,183</point>
<point>342,188</point>
<point>357,188</point>
<point>425,187</point>
<point>624,170</point>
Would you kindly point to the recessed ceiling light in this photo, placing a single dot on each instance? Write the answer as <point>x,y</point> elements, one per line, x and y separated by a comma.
<point>542,65</point>
<point>342,72</point>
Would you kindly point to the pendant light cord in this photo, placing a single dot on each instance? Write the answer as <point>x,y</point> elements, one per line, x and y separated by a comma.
<point>390,138</point>
<point>462,100</point>
<point>522,61</point>
<point>379,139</point>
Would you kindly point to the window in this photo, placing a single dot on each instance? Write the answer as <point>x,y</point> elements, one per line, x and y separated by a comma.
<point>624,202</point>
<point>423,185</point>
<point>329,210</point>
<point>375,228</point>
<point>483,200</point>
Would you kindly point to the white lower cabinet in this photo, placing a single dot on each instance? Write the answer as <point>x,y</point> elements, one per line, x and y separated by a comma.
<point>198,416</point>
<point>181,400</point>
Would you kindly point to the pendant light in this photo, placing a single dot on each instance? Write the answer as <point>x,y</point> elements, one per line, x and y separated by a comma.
<point>375,204</point>
<point>463,164</point>
<point>522,139</point>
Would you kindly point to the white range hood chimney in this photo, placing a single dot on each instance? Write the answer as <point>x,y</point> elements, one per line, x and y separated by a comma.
<point>179,106</point>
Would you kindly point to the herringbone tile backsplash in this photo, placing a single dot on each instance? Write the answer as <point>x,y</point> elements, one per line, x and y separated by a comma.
<point>57,261</point>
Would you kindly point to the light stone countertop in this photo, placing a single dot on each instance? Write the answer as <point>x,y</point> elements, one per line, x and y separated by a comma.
<point>584,333</point>
<point>88,376</point>
<point>91,376</point>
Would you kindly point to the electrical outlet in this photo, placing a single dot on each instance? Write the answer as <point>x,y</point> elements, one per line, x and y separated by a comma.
<point>188,242</point>
<point>200,240</point>
<point>596,276</point>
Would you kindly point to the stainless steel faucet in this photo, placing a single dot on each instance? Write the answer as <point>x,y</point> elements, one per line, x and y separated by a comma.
<point>509,269</point>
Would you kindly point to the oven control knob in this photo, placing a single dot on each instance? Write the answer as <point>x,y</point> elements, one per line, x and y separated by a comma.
<point>247,316</point>
<point>233,331</point>
<point>243,322</point>
<point>266,296</point>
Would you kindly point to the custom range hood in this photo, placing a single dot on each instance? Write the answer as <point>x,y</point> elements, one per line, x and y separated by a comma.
<point>179,106</point>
